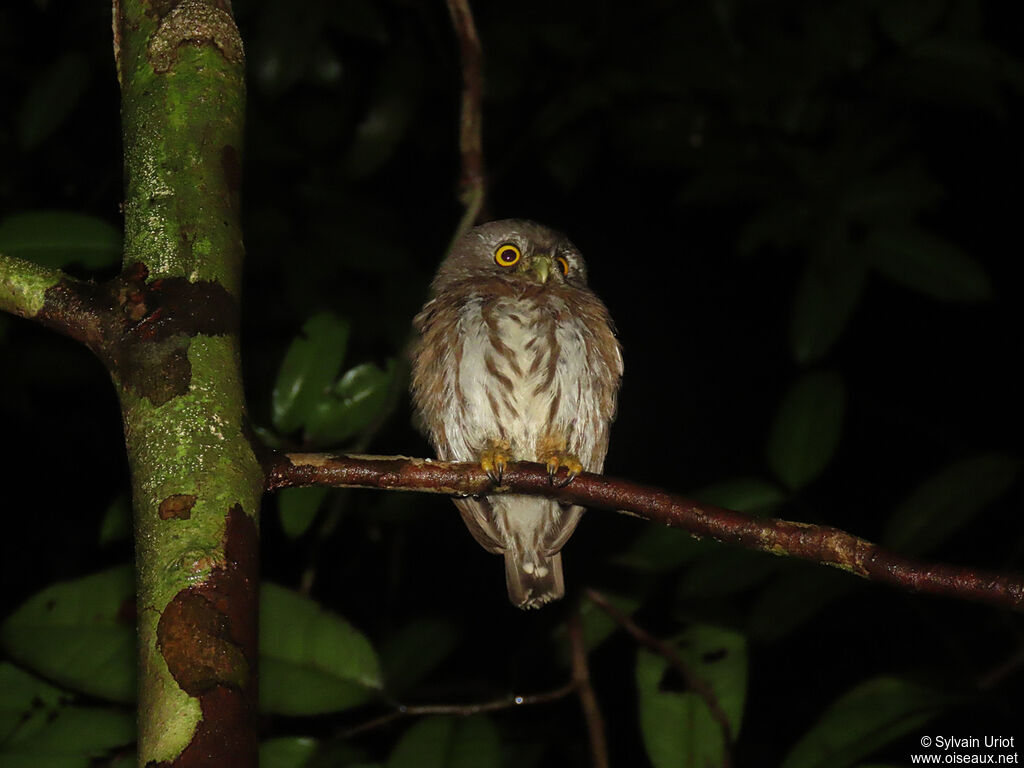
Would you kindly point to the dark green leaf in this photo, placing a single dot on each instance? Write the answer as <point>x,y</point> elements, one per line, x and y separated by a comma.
<point>942,71</point>
<point>365,386</point>
<point>308,369</point>
<point>807,428</point>
<point>76,633</point>
<point>337,752</point>
<point>287,752</point>
<point>311,661</point>
<point>448,742</point>
<point>414,651</point>
<point>17,759</point>
<point>794,597</point>
<point>907,21</point>
<point>382,128</point>
<point>596,624</point>
<point>19,690</point>
<point>678,728</point>
<point>60,238</point>
<point>53,97</point>
<point>360,18</point>
<point>976,64</point>
<point>75,733</point>
<point>657,548</point>
<point>781,225</point>
<point>895,194</point>
<point>829,291</point>
<point>947,501</point>
<point>744,494</point>
<point>356,401</point>
<point>923,262</point>
<point>726,571</point>
<point>117,524</point>
<point>26,702</point>
<point>873,714</point>
<point>269,437</point>
<point>298,507</point>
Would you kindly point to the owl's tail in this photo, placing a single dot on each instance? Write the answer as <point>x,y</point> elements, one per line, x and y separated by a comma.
<point>533,578</point>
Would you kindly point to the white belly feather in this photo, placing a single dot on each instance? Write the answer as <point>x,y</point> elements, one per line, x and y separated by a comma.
<point>508,389</point>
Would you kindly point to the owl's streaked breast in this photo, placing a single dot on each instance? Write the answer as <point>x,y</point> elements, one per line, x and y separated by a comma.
<point>523,377</point>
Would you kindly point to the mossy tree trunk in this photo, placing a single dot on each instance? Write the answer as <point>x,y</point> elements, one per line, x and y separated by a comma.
<point>167,330</point>
<point>196,482</point>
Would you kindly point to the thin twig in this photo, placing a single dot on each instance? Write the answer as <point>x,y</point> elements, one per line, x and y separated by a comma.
<point>693,682</point>
<point>1001,671</point>
<point>820,544</point>
<point>463,710</point>
<point>473,179</point>
<point>585,691</point>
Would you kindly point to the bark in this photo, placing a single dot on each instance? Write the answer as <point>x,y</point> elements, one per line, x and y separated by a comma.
<point>167,331</point>
<point>174,358</point>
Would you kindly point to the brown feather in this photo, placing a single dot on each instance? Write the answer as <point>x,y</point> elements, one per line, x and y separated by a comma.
<point>498,356</point>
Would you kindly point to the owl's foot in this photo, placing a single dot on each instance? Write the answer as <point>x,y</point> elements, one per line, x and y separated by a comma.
<point>493,461</point>
<point>557,459</point>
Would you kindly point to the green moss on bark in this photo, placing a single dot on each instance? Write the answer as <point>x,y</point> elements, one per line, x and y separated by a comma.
<point>181,202</point>
<point>23,285</point>
<point>183,94</point>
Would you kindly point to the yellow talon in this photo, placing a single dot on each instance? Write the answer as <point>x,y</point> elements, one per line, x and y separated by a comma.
<point>493,461</point>
<point>557,459</point>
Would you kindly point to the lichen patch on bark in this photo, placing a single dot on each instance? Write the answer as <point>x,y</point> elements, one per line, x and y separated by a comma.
<point>193,22</point>
<point>79,309</point>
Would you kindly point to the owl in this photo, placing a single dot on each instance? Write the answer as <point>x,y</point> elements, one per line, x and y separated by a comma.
<point>515,359</point>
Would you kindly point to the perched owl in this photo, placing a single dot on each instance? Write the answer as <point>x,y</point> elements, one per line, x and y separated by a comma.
<point>515,359</point>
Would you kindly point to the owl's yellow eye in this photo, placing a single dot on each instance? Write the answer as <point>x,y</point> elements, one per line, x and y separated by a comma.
<point>564,264</point>
<point>507,255</point>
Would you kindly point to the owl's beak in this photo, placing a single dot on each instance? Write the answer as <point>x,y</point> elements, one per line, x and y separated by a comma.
<point>540,266</point>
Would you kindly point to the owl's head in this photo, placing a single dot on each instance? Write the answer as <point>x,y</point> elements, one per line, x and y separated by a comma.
<point>515,251</point>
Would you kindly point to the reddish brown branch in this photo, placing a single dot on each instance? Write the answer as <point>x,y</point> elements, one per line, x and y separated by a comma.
<point>820,544</point>
<point>473,182</point>
<point>693,682</point>
<point>588,699</point>
<point>82,310</point>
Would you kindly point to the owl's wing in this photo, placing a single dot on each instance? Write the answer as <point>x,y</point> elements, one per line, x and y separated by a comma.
<point>476,513</point>
<point>566,525</point>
